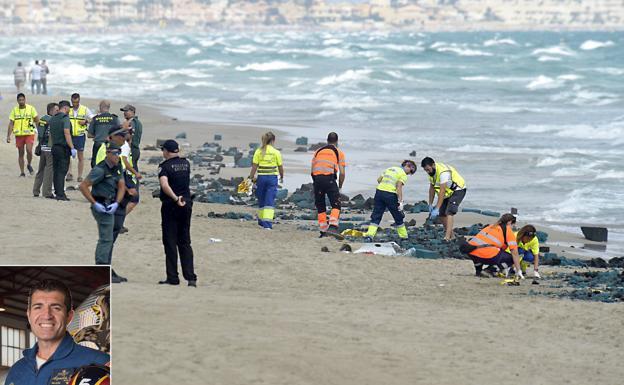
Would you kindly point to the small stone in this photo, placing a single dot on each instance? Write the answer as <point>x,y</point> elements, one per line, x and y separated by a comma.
<point>325,249</point>
<point>181,135</point>
<point>345,247</point>
<point>301,141</point>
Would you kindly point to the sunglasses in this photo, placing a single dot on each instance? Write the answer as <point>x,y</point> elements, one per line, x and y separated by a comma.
<point>114,152</point>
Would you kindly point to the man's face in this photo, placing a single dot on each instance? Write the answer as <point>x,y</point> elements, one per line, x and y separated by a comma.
<point>54,111</point>
<point>430,169</point>
<point>76,102</point>
<point>113,156</point>
<point>129,114</point>
<point>47,315</point>
<point>21,101</point>
<point>118,139</point>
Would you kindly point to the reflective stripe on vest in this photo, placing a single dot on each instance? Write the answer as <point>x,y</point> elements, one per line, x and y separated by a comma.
<point>23,121</point>
<point>457,182</point>
<point>77,128</point>
<point>389,179</point>
<point>490,241</point>
<point>325,161</point>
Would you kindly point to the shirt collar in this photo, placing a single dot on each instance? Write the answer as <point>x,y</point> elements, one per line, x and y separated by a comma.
<point>63,350</point>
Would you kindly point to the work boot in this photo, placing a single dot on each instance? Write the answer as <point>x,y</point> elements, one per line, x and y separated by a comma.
<point>192,283</point>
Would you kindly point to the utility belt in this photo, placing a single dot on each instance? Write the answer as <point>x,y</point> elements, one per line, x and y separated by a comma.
<point>104,201</point>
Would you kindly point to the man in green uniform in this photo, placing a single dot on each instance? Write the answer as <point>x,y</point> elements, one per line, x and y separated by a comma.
<point>107,189</point>
<point>62,148</point>
<point>99,127</point>
<point>132,122</point>
<point>44,174</point>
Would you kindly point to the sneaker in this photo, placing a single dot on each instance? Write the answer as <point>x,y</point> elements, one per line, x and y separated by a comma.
<point>63,198</point>
<point>192,283</point>
<point>30,169</point>
<point>167,282</point>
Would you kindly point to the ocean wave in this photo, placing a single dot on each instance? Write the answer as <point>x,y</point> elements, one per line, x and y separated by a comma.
<point>401,47</point>
<point>493,79</point>
<point>350,76</point>
<point>589,45</point>
<point>418,66</point>
<point>495,108</point>
<point>212,63</point>
<point>550,161</point>
<point>464,51</point>
<point>130,58</point>
<point>583,97</point>
<point>415,100</point>
<point>497,42</point>
<point>611,174</point>
<point>609,70</point>
<point>543,82</point>
<point>548,58</point>
<point>193,51</point>
<point>271,66</point>
<point>348,103</point>
<point>189,72</point>
<point>612,131</point>
<point>74,73</point>
<point>241,50</point>
<point>561,50</point>
<point>327,42</point>
<point>330,52</point>
<point>177,41</point>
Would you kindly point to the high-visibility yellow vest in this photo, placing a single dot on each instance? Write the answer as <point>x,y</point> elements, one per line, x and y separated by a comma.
<point>77,128</point>
<point>390,177</point>
<point>23,120</point>
<point>101,155</point>
<point>457,182</point>
<point>268,160</point>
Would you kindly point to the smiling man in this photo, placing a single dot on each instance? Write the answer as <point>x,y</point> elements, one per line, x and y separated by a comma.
<point>55,357</point>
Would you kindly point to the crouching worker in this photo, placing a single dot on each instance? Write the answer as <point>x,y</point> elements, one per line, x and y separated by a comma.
<point>389,195</point>
<point>267,161</point>
<point>489,247</point>
<point>528,249</point>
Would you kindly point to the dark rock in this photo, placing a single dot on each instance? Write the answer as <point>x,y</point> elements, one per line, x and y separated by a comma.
<point>160,142</point>
<point>301,149</point>
<point>155,160</point>
<point>254,146</point>
<point>222,197</point>
<point>413,153</point>
<point>598,262</point>
<point>544,249</point>
<point>411,223</point>
<point>616,262</point>
<point>302,141</point>
<point>596,234</point>
<point>542,236</point>
<point>181,135</point>
<point>345,247</point>
<point>316,146</point>
<point>218,137</point>
<point>231,151</point>
<point>244,162</point>
<point>491,213</point>
<point>156,193</point>
<point>150,148</point>
<point>281,194</point>
<point>325,249</point>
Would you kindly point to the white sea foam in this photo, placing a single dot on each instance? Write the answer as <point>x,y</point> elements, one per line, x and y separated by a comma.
<point>271,66</point>
<point>177,41</point>
<point>193,51</point>
<point>496,42</point>
<point>494,79</point>
<point>211,63</point>
<point>350,76</point>
<point>548,58</point>
<point>550,161</point>
<point>464,51</point>
<point>561,50</point>
<point>544,83</point>
<point>130,58</point>
<point>611,174</point>
<point>418,66</point>
<point>190,72</point>
<point>492,108</point>
<point>241,49</point>
<point>609,70</point>
<point>332,42</point>
<point>593,44</point>
<point>329,52</point>
<point>584,97</point>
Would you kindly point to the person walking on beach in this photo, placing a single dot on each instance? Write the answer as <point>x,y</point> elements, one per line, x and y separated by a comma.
<point>104,188</point>
<point>328,165</point>
<point>45,171</point>
<point>389,195</point>
<point>488,247</point>
<point>100,126</point>
<point>22,123</point>
<point>62,148</point>
<point>35,78</point>
<point>267,161</point>
<point>80,116</point>
<point>133,122</point>
<point>19,76</point>
<point>44,76</point>
<point>174,175</point>
<point>450,186</point>
<point>131,173</point>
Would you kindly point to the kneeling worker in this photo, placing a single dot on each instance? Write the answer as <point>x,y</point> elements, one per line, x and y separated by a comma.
<point>488,247</point>
<point>327,162</point>
<point>389,195</point>
<point>528,249</point>
<point>451,189</point>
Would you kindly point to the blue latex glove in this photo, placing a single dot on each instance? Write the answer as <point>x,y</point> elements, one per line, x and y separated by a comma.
<point>434,213</point>
<point>430,208</point>
<point>100,208</point>
<point>74,153</point>
<point>110,209</point>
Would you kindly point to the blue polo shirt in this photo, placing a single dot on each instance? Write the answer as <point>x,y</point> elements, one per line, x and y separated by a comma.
<point>58,369</point>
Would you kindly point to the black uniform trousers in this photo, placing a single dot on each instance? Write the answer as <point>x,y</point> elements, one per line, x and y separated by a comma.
<point>325,185</point>
<point>176,237</point>
<point>60,166</point>
<point>135,154</point>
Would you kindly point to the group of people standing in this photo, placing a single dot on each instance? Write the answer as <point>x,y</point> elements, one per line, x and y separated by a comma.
<point>37,75</point>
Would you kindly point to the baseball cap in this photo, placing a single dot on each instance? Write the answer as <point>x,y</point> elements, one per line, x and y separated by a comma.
<point>170,145</point>
<point>128,107</point>
<point>113,147</point>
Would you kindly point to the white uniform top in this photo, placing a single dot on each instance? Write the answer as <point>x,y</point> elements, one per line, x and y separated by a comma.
<point>35,72</point>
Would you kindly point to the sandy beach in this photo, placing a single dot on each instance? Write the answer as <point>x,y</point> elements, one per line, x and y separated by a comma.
<point>272,308</point>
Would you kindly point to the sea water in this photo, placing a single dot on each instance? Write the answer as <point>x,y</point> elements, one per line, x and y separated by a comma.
<point>531,120</point>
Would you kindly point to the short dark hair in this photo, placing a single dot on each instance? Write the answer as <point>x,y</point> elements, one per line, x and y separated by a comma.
<point>50,285</point>
<point>36,61</point>
<point>332,137</point>
<point>64,103</point>
<point>507,218</point>
<point>75,95</point>
<point>21,95</point>
<point>427,161</point>
<point>51,106</point>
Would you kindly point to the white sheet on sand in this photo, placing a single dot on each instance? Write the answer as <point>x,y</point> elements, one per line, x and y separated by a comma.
<point>379,248</point>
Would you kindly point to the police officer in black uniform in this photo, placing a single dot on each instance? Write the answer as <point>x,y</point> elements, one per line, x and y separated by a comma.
<point>174,175</point>
<point>100,126</point>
